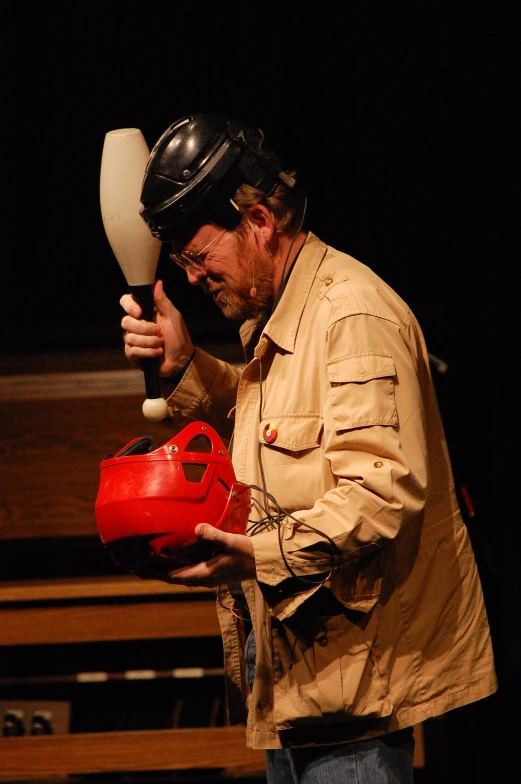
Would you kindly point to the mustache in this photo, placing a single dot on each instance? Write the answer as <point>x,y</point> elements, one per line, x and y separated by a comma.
<point>211,285</point>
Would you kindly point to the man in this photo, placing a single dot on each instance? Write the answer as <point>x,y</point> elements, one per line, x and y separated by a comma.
<point>357,577</point>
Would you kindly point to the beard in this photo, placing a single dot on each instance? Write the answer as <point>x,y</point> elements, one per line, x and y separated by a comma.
<point>235,299</point>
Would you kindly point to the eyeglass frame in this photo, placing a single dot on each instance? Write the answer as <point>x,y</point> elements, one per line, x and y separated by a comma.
<point>186,259</point>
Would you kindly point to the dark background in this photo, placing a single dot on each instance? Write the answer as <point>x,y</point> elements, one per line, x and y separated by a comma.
<point>402,120</point>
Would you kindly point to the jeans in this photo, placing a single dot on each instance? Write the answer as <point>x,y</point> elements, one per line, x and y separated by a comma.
<point>387,759</point>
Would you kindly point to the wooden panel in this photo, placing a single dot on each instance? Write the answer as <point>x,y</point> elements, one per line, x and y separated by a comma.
<point>217,747</point>
<point>48,625</point>
<point>57,386</point>
<point>87,360</point>
<point>51,451</point>
<point>55,428</point>
<point>89,588</point>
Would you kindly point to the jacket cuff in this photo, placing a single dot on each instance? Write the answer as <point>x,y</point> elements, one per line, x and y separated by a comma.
<point>206,390</point>
<point>284,592</point>
<point>170,383</point>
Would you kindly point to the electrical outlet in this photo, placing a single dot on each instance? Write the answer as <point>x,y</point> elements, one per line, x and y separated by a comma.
<point>35,717</point>
<point>13,722</point>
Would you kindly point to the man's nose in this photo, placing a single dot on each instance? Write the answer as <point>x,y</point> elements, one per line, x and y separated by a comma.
<point>195,275</point>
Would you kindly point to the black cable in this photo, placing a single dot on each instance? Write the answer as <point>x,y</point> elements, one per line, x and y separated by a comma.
<point>283,278</point>
<point>282,514</point>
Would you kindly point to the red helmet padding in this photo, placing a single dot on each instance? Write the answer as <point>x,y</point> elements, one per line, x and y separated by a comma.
<point>165,493</point>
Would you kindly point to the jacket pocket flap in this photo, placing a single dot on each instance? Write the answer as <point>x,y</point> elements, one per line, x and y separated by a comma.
<point>291,431</point>
<point>360,367</point>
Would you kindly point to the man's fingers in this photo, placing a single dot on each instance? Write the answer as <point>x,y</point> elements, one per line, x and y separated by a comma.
<point>130,306</point>
<point>232,543</point>
<point>211,534</point>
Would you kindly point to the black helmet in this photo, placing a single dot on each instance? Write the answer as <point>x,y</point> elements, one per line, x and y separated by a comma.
<point>195,168</point>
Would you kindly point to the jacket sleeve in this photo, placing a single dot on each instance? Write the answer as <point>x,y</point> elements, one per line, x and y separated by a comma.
<point>374,448</point>
<point>206,392</point>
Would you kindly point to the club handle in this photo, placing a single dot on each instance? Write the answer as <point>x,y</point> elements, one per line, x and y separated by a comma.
<point>154,407</point>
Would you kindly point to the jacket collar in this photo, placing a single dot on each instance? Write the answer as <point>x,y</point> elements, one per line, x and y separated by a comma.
<point>282,326</point>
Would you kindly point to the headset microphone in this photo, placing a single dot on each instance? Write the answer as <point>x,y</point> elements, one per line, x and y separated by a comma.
<point>253,290</point>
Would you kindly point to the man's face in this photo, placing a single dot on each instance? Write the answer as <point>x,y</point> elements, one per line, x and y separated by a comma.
<point>232,266</point>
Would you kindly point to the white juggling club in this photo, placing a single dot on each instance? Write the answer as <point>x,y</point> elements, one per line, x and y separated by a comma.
<point>123,162</point>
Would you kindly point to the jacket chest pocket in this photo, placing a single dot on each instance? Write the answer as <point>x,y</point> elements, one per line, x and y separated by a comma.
<point>362,391</point>
<point>289,448</point>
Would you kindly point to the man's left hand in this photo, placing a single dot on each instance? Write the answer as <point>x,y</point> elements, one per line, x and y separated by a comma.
<point>234,561</point>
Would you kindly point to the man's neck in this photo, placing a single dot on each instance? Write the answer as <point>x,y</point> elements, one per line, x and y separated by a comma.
<point>289,248</point>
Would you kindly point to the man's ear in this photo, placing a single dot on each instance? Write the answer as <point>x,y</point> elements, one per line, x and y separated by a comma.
<point>262,221</point>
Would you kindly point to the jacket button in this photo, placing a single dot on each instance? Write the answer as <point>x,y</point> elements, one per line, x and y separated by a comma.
<point>378,464</point>
<point>269,433</point>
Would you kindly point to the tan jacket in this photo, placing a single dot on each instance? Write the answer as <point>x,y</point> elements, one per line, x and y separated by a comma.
<point>398,631</point>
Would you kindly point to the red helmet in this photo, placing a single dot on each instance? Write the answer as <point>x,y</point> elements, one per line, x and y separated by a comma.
<point>150,499</point>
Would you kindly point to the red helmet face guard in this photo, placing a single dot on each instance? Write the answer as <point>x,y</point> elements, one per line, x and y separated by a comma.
<point>150,499</point>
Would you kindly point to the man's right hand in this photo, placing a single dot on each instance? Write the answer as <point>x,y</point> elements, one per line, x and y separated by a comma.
<point>167,337</point>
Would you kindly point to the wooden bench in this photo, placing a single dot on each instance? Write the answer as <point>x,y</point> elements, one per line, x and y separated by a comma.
<point>59,417</point>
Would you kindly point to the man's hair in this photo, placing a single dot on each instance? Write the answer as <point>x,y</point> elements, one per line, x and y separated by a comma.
<point>285,204</point>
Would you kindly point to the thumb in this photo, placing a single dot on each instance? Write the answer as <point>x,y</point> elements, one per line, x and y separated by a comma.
<point>210,533</point>
<point>225,542</point>
<point>231,543</point>
<point>159,294</point>
<point>163,304</point>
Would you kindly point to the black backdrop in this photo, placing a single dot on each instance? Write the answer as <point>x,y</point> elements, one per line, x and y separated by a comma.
<point>401,119</point>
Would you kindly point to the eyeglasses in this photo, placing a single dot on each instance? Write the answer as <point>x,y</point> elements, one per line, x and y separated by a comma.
<point>186,259</point>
